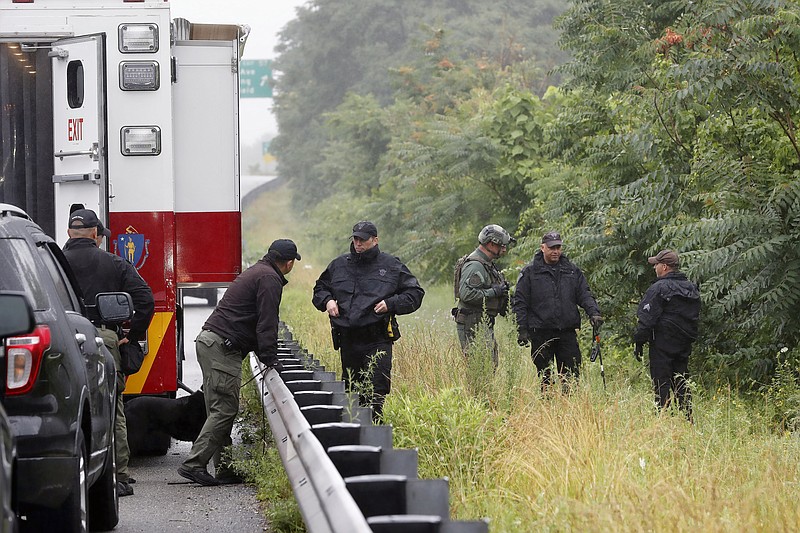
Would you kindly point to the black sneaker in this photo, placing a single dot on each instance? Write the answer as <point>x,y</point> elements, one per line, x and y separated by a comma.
<point>124,489</point>
<point>131,480</point>
<point>198,475</point>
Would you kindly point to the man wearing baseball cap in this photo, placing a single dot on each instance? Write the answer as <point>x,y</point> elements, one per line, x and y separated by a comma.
<point>362,291</point>
<point>549,291</point>
<point>244,321</point>
<point>668,317</point>
<point>100,271</point>
<point>86,218</point>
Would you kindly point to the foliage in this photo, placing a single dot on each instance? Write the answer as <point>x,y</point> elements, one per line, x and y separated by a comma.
<point>782,396</point>
<point>598,459</point>
<point>692,146</point>
<point>341,46</point>
<point>675,127</point>
<point>259,461</point>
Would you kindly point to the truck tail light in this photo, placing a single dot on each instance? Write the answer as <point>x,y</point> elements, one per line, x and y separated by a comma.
<point>24,358</point>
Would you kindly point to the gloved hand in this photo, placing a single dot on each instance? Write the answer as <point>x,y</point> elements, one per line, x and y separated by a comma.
<point>596,321</point>
<point>637,351</point>
<point>271,362</point>
<point>522,338</point>
<point>500,289</point>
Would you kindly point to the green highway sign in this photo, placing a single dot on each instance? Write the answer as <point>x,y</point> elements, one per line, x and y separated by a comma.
<point>255,78</point>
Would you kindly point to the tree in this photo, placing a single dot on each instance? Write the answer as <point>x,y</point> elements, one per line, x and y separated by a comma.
<point>338,46</point>
<point>694,147</point>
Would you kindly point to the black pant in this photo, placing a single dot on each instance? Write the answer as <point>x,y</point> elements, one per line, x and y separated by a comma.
<point>561,344</point>
<point>669,370</point>
<point>367,366</point>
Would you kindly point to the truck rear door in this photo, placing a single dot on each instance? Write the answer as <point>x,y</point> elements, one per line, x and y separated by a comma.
<point>79,128</point>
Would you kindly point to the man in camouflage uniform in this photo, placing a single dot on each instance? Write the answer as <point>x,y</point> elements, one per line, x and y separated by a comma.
<point>482,291</point>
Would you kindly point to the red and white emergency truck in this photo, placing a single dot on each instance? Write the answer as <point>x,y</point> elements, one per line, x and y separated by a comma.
<point>112,105</point>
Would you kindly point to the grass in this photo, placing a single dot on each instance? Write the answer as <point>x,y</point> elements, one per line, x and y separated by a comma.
<point>594,460</point>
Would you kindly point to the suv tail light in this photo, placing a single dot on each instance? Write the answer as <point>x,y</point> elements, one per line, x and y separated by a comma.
<point>24,357</point>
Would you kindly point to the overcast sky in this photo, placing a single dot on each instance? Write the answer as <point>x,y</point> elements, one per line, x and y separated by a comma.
<point>266,18</point>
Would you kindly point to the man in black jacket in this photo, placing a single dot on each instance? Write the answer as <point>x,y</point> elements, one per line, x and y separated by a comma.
<point>99,271</point>
<point>245,320</point>
<point>548,293</point>
<point>668,317</point>
<point>362,291</point>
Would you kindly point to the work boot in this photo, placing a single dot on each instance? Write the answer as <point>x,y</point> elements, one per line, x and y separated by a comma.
<point>198,475</point>
<point>124,489</point>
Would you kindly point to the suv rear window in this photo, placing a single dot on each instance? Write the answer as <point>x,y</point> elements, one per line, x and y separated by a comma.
<point>18,272</point>
<point>68,299</point>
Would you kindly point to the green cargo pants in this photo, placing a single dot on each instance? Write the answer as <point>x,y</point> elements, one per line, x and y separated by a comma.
<point>222,378</point>
<point>121,448</point>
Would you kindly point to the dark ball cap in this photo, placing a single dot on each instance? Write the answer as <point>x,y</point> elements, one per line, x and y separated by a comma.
<point>283,250</point>
<point>667,257</point>
<point>364,230</point>
<point>552,238</point>
<point>86,218</point>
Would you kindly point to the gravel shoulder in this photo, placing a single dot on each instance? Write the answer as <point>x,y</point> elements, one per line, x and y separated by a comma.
<point>164,501</point>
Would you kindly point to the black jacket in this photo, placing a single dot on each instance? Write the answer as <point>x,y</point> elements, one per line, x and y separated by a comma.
<point>547,297</point>
<point>359,281</point>
<point>99,271</point>
<point>670,310</point>
<point>248,313</point>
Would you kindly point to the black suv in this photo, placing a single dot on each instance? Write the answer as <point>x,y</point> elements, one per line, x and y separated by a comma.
<point>59,391</point>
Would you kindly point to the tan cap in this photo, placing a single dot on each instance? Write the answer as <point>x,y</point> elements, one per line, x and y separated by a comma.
<point>667,257</point>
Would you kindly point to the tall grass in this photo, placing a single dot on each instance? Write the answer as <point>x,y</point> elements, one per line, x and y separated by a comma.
<point>592,460</point>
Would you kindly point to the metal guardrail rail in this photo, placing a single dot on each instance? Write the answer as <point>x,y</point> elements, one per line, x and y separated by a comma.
<point>345,474</point>
<point>324,501</point>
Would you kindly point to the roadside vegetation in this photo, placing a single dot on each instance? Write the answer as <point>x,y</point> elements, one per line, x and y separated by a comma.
<point>657,125</point>
<point>594,460</point>
<point>665,125</point>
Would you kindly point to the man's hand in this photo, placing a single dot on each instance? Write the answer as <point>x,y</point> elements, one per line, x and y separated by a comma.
<point>271,362</point>
<point>500,289</point>
<point>333,308</point>
<point>637,351</point>
<point>596,321</point>
<point>522,338</point>
<point>381,307</point>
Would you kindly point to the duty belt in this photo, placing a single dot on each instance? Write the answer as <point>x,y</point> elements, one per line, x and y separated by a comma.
<point>375,330</point>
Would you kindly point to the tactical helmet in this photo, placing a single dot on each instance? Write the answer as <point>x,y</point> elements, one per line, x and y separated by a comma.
<point>496,234</point>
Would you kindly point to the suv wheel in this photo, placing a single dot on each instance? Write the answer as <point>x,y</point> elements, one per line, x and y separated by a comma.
<point>74,514</point>
<point>103,498</point>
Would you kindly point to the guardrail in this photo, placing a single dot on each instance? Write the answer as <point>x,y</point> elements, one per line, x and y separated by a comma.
<point>345,474</point>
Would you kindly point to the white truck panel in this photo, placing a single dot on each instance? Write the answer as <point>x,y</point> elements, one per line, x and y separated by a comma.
<point>206,137</point>
<point>128,176</point>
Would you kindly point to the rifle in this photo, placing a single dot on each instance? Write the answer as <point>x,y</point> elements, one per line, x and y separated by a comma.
<point>596,353</point>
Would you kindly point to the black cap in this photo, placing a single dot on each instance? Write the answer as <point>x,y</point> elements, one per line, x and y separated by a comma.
<point>667,257</point>
<point>364,230</point>
<point>86,218</point>
<point>552,238</point>
<point>284,250</point>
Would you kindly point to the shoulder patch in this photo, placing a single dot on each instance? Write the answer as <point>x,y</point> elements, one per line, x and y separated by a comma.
<point>474,280</point>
